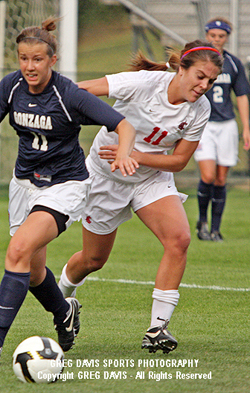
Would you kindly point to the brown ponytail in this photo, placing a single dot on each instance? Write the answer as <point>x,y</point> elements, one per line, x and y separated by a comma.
<point>35,34</point>
<point>176,59</point>
<point>140,62</point>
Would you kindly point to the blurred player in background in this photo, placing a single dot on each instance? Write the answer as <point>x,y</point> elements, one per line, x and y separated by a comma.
<point>169,111</point>
<point>218,148</point>
<point>50,179</point>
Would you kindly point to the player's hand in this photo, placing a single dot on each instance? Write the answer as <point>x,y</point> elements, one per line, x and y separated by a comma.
<point>246,138</point>
<point>127,165</point>
<point>108,152</point>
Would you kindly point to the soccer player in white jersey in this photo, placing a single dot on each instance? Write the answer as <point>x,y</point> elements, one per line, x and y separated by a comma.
<point>218,148</point>
<point>50,180</point>
<point>169,111</point>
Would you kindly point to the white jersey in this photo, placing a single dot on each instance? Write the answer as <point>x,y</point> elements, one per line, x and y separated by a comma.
<point>142,97</point>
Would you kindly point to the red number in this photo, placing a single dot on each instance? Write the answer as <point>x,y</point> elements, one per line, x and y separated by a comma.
<point>149,138</point>
<point>163,134</point>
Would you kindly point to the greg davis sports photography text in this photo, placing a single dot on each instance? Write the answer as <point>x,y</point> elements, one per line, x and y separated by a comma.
<point>139,369</point>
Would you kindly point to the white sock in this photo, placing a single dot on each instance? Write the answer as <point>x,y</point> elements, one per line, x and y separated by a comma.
<point>163,305</point>
<point>68,288</point>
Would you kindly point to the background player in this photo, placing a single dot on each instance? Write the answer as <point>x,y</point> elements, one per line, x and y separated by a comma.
<point>218,148</point>
<point>50,179</point>
<point>168,111</point>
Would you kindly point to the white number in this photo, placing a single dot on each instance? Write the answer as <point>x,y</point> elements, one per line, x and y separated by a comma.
<point>44,145</point>
<point>36,142</point>
<point>218,94</point>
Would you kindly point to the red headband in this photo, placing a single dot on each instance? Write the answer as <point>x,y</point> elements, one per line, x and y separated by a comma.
<point>200,48</point>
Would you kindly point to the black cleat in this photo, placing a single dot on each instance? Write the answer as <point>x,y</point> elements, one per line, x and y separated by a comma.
<point>202,231</point>
<point>216,236</point>
<point>158,337</point>
<point>70,327</point>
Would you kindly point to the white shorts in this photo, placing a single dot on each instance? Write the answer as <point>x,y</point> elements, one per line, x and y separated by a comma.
<point>67,198</point>
<point>219,142</point>
<point>109,202</point>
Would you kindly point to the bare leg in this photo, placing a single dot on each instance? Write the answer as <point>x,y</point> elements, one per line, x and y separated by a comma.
<point>28,242</point>
<point>92,257</point>
<point>167,220</point>
<point>31,238</point>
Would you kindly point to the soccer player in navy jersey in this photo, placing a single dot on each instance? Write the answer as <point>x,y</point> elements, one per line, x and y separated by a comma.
<point>218,148</point>
<point>50,180</point>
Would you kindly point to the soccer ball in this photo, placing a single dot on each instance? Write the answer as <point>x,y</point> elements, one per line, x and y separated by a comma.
<point>38,359</point>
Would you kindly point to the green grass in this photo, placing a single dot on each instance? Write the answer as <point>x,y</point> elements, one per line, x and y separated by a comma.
<point>211,325</point>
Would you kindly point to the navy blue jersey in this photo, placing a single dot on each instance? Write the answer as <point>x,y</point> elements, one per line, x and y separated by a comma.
<point>48,126</point>
<point>233,77</point>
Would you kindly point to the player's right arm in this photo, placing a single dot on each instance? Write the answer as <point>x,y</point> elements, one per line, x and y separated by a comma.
<point>122,160</point>
<point>98,87</point>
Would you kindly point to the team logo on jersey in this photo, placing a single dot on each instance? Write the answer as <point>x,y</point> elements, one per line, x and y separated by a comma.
<point>182,125</point>
<point>88,219</point>
<point>47,178</point>
<point>33,121</point>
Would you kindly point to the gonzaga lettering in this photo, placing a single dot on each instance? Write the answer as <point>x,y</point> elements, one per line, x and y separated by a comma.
<point>34,121</point>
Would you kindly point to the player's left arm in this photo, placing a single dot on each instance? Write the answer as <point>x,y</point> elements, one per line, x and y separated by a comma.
<point>175,162</point>
<point>170,163</point>
<point>243,107</point>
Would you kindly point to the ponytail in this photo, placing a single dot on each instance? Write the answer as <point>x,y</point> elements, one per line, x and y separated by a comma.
<point>140,62</point>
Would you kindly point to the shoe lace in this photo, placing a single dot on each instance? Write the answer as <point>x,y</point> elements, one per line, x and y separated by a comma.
<point>165,325</point>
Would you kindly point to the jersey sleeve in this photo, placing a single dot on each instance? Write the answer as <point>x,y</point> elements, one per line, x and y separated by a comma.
<point>4,92</point>
<point>136,86</point>
<point>94,111</point>
<point>241,84</point>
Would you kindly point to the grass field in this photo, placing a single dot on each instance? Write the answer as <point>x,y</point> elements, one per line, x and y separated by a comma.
<point>210,322</point>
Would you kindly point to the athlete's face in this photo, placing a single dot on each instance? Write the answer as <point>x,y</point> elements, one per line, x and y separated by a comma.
<point>218,38</point>
<point>35,65</point>
<point>197,80</point>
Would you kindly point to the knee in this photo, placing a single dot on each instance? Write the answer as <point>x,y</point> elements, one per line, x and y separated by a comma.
<point>220,181</point>
<point>179,243</point>
<point>92,262</point>
<point>96,263</point>
<point>17,254</point>
<point>184,240</point>
<point>208,178</point>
